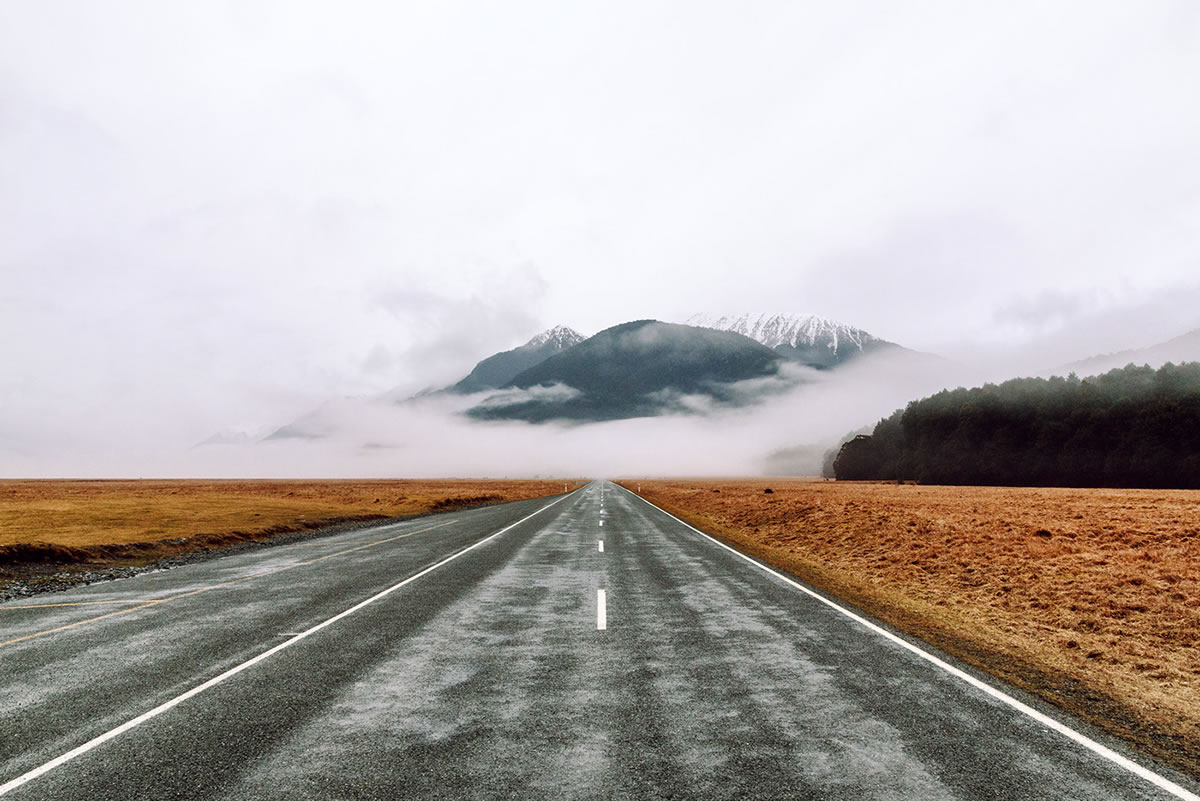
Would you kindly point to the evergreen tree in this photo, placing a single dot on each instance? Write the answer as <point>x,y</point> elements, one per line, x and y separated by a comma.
<point>1130,427</point>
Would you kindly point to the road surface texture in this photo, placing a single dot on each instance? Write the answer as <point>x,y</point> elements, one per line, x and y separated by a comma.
<point>583,646</point>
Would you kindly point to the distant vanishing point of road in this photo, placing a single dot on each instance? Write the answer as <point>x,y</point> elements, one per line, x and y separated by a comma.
<point>584,646</point>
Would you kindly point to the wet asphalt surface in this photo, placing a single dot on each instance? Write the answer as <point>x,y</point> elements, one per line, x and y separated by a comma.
<point>488,677</point>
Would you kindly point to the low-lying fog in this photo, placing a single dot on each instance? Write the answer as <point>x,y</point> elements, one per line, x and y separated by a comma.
<point>385,437</point>
<point>151,413</point>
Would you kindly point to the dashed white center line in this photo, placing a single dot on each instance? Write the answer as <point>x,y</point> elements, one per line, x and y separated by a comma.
<point>601,611</point>
<point>600,546</point>
<point>601,522</point>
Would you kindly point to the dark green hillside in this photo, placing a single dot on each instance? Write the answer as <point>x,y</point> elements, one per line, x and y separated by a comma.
<point>820,356</point>
<point>636,369</point>
<point>497,370</point>
<point>1131,427</point>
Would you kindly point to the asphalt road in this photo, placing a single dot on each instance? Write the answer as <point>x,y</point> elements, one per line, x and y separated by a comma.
<point>393,663</point>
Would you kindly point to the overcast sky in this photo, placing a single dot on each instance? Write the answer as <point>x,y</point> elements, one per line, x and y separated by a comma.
<point>216,215</point>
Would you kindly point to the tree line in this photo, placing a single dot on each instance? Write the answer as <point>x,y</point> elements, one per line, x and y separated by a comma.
<point>1130,427</point>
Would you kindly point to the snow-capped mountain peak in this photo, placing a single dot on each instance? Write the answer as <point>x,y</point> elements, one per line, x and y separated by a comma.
<point>774,330</point>
<point>559,336</point>
<point>810,339</point>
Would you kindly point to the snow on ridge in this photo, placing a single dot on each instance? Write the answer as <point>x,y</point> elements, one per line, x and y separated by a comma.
<point>560,336</point>
<point>774,330</point>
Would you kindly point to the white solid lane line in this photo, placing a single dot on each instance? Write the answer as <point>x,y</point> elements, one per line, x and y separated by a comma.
<point>233,671</point>
<point>1161,782</point>
<point>601,611</point>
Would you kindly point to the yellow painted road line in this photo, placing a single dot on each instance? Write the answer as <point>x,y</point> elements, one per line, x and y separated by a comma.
<point>77,623</point>
<point>79,603</point>
<point>147,604</point>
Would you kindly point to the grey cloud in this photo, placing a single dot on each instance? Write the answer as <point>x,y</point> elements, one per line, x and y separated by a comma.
<point>447,335</point>
<point>1138,319</point>
<point>514,396</point>
<point>918,263</point>
<point>1048,309</point>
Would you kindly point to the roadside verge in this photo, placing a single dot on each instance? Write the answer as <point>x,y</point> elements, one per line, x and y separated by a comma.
<point>59,534</point>
<point>902,556</point>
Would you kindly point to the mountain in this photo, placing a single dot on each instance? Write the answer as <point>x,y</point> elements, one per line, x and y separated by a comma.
<point>637,369</point>
<point>496,371</point>
<point>1183,348</point>
<point>805,338</point>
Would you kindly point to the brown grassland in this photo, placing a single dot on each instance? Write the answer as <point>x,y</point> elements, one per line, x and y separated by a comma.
<point>129,523</point>
<point>1087,598</point>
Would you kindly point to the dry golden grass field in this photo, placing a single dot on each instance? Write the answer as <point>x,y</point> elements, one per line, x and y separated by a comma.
<point>136,522</point>
<point>1088,598</point>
